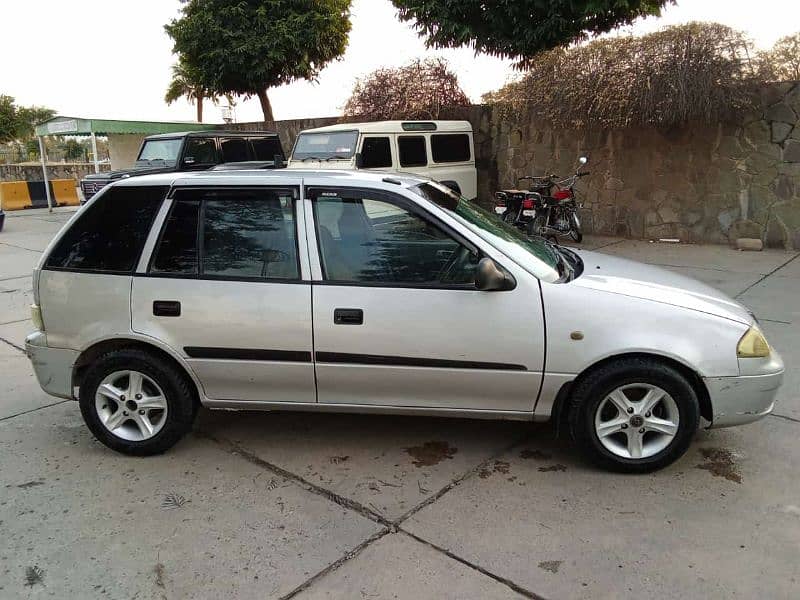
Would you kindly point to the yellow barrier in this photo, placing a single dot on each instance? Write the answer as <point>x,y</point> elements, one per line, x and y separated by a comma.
<point>64,192</point>
<point>14,195</point>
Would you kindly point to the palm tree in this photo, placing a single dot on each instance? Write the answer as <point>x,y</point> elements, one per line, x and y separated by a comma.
<point>183,86</point>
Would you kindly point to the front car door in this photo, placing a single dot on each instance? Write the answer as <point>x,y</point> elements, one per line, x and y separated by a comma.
<point>224,288</point>
<point>199,153</point>
<point>397,319</point>
<point>377,153</point>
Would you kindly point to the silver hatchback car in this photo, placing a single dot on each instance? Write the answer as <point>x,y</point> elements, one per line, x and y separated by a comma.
<point>358,292</point>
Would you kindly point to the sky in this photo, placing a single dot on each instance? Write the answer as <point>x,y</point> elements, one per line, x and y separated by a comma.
<point>111,59</point>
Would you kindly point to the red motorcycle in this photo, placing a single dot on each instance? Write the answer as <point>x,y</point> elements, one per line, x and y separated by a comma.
<point>549,209</point>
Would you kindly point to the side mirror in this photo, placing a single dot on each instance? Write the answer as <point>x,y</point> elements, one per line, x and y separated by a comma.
<point>189,160</point>
<point>490,277</point>
<point>583,160</point>
<point>277,161</point>
<point>359,161</point>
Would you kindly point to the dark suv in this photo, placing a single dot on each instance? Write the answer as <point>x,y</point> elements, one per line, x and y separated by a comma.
<point>193,151</point>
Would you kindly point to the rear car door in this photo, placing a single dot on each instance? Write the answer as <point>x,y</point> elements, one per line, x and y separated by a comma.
<point>224,288</point>
<point>398,320</point>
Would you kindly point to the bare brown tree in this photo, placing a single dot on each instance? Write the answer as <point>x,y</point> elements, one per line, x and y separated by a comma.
<point>693,72</point>
<point>418,90</point>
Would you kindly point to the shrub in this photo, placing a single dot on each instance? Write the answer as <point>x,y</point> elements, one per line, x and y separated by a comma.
<point>417,90</point>
<point>692,72</point>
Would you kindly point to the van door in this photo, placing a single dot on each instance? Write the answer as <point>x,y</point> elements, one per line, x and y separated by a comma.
<point>224,288</point>
<point>452,160</point>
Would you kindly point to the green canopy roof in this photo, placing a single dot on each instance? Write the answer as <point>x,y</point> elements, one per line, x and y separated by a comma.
<point>77,126</point>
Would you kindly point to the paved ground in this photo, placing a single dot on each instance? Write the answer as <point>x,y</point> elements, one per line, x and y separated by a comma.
<point>330,506</point>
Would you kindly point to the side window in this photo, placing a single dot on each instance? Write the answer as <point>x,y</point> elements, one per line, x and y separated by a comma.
<point>202,150</point>
<point>376,153</point>
<point>243,234</point>
<point>234,150</point>
<point>365,239</point>
<point>411,149</point>
<point>450,147</point>
<point>266,148</point>
<point>108,236</point>
<point>177,251</point>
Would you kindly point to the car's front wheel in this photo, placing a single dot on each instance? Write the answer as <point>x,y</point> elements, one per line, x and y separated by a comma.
<point>135,403</point>
<point>634,415</point>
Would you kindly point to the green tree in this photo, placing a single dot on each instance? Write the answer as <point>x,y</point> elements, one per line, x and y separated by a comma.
<point>521,28</point>
<point>245,47</point>
<point>184,85</point>
<point>73,150</point>
<point>18,122</point>
<point>783,60</point>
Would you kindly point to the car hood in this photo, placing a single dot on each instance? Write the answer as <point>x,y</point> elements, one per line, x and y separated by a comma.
<point>630,278</point>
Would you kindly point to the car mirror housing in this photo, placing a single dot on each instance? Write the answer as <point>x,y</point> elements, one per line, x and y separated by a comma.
<point>491,277</point>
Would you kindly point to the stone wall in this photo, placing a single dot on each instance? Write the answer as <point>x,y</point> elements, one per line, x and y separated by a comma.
<point>33,171</point>
<point>698,183</point>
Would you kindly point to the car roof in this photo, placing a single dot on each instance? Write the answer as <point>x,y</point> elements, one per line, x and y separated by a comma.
<point>321,177</point>
<point>394,127</point>
<point>210,133</point>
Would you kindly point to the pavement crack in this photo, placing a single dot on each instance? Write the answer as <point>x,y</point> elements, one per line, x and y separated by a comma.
<point>335,564</point>
<point>13,345</point>
<point>785,417</point>
<point>25,412</point>
<point>459,480</point>
<point>343,501</point>
<point>499,578</point>
<point>775,270</point>
<point>21,247</point>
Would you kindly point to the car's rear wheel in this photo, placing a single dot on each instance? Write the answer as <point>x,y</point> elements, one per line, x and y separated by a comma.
<point>135,403</point>
<point>634,415</point>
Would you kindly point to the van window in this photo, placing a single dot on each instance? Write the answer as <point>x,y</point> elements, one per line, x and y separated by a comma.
<point>266,148</point>
<point>109,234</point>
<point>376,153</point>
<point>202,150</point>
<point>243,234</point>
<point>234,150</point>
<point>411,149</point>
<point>450,147</point>
<point>335,145</point>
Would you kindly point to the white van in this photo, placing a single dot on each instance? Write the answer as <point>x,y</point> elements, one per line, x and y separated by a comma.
<point>441,150</point>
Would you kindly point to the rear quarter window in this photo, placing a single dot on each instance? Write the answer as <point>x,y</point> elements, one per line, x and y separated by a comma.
<point>450,147</point>
<point>109,234</point>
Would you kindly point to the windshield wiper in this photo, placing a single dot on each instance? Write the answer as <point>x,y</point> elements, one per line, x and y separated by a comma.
<point>304,159</point>
<point>337,157</point>
<point>566,271</point>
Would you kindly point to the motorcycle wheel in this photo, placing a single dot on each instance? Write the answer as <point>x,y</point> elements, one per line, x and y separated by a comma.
<point>536,225</point>
<point>575,228</point>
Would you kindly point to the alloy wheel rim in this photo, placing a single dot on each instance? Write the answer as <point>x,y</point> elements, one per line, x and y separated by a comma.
<point>636,421</point>
<point>131,405</point>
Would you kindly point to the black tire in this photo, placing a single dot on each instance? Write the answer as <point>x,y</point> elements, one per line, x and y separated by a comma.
<point>177,388</point>
<point>536,225</point>
<point>575,228</point>
<point>590,390</point>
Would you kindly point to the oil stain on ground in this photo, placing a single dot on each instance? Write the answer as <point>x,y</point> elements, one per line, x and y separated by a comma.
<point>499,466</point>
<point>431,453</point>
<point>537,454</point>
<point>719,462</point>
<point>550,565</point>
<point>550,468</point>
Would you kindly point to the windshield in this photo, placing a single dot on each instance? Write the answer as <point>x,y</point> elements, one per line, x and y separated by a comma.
<point>325,146</point>
<point>500,234</point>
<point>160,152</point>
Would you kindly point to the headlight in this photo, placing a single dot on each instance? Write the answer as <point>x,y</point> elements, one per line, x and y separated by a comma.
<point>753,344</point>
<point>36,317</point>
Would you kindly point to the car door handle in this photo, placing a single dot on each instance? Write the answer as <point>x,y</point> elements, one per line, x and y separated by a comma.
<point>166,308</point>
<point>348,316</point>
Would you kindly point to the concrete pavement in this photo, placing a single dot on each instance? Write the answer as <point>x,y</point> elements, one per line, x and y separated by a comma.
<point>257,505</point>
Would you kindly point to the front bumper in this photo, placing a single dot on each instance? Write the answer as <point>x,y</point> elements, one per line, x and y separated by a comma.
<point>743,399</point>
<point>53,366</point>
